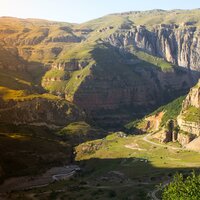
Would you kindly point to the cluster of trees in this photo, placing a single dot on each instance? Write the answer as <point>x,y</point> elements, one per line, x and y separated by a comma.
<point>183,188</point>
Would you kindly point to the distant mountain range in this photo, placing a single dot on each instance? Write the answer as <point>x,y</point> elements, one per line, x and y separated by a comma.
<point>114,68</point>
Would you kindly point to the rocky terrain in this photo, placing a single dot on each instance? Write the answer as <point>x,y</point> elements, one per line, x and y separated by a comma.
<point>179,121</point>
<point>66,88</point>
<point>176,43</point>
<point>189,119</point>
<point>115,68</point>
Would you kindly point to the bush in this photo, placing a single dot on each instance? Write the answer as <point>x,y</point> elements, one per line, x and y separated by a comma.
<point>183,188</point>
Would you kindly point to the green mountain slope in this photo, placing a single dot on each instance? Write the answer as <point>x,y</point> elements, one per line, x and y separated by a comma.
<point>116,67</point>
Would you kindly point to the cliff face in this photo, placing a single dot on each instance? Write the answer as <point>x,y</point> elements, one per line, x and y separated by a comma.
<point>189,118</point>
<point>115,85</point>
<point>193,98</point>
<point>121,80</point>
<point>178,121</point>
<point>121,66</point>
<point>189,126</point>
<point>70,65</point>
<point>177,45</point>
<point>141,88</point>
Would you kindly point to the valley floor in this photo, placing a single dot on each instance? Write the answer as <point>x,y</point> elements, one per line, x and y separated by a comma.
<point>118,167</point>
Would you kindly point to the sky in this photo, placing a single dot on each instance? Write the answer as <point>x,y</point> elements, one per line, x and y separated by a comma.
<point>78,11</point>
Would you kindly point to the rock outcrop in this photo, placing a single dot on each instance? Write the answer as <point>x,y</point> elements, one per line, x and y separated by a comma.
<point>194,145</point>
<point>70,65</point>
<point>180,46</point>
<point>184,139</point>
<point>189,118</point>
<point>134,89</point>
<point>118,67</point>
<point>187,132</point>
<point>182,126</point>
<point>189,126</point>
<point>193,98</point>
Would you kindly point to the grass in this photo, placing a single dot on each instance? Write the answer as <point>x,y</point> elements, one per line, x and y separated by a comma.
<point>159,157</point>
<point>8,94</point>
<point>171,111</point>
<point>140,170</point>
<point>79,132</point>
<point>156,61</point>
<point>192,114</point>
<point>151,18</point>
<point>59,84</point>
<point>55,73</point>
<point>76,127</point>
<point>74,190</point>
<point>138,124</point>
<point>74,83</point>
<point>30,150</point>
<point>21,95</point>
<point>81,51</point>
<point>56,86</point>
<point>15,80</point>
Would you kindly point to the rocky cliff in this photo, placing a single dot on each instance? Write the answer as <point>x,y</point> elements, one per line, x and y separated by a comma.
<point>117,67</point>
<point>189,119</point>
<point>193,98</point>
<point>70,65</point>
<point>129,89</point>
<point>182,127</point>
<point>176,44</point>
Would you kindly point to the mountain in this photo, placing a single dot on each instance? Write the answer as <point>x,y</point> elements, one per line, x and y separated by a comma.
<point>176,121</point>
<point>115,68</point>
<point>66,88</point>
<point>189,118</point>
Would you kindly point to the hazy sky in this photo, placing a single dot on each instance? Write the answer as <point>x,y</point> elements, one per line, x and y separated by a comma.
<point>84,10</point>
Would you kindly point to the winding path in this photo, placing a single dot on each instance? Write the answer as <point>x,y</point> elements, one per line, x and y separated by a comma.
<point>145,138</point>
<point>153,193</point>
<point>53,174</point>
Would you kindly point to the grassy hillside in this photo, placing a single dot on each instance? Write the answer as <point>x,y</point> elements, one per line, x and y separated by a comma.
<point>20,95</point>
<point>118,167</point>
<point>171,111</point>
<point>116,84</point>
<point>43,34</point>
<point>153,17</point>
<point>79,132</point>
<point>192,114</point>
<point>44,42</point>
<point>148,18</point>
<point>153,60</point>
<point>117,145</point>
<point>29,150</point>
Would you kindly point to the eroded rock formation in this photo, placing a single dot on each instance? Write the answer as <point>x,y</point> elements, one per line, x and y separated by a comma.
<point>189,119</point>
<point>180,46</point>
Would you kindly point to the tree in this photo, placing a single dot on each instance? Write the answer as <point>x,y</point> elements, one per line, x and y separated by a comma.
<point>183,188</point>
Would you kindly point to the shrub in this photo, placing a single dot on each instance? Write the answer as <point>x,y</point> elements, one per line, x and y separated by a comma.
<point>183,188</point>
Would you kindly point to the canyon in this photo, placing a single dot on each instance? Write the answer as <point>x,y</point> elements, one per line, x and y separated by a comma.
<point>115,71</point>
<point>119,96</point>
